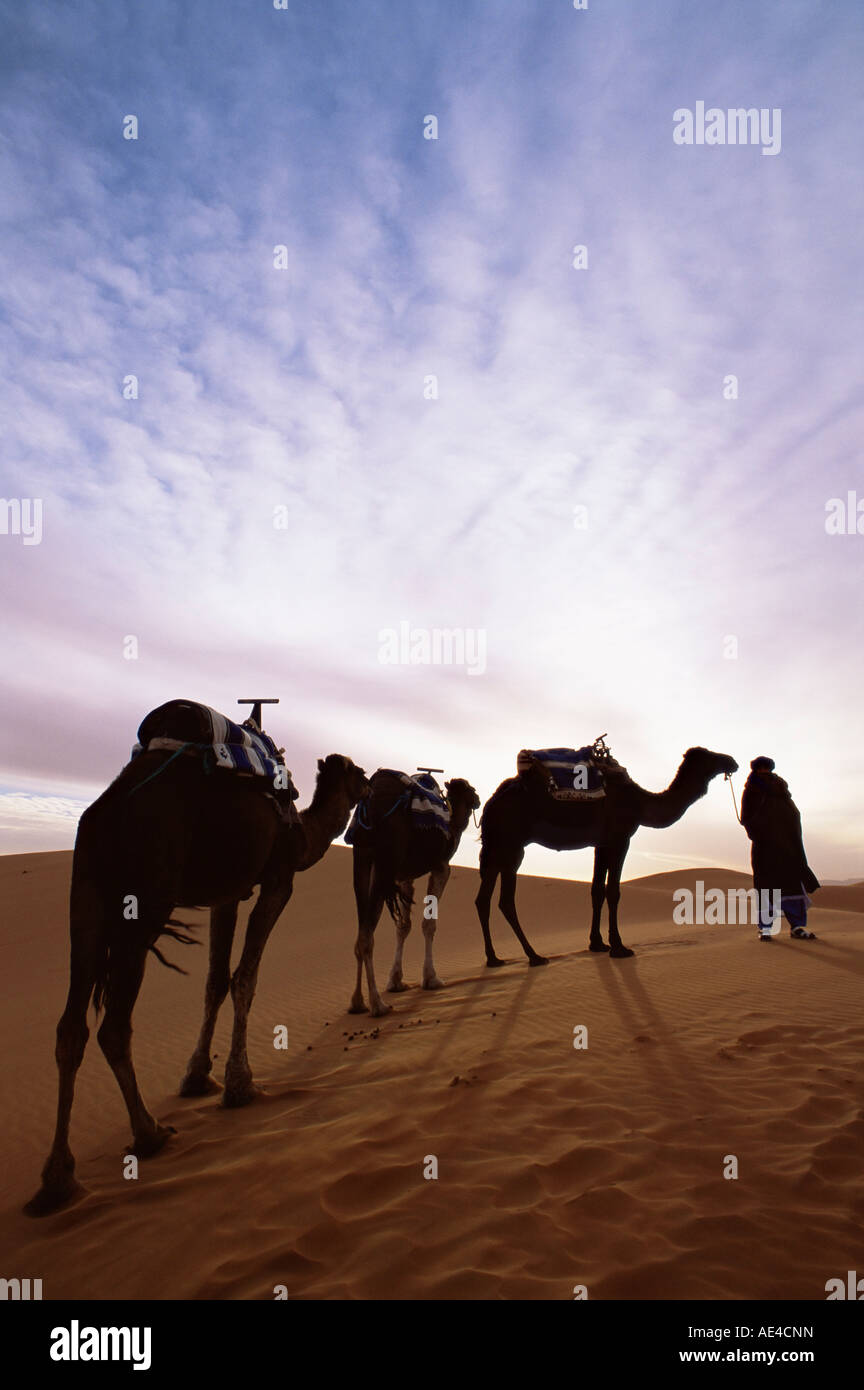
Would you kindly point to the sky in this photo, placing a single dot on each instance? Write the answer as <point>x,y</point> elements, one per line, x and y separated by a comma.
<point>606,472</point>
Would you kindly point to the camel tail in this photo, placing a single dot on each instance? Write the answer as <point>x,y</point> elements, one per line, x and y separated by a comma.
<point>170,929</point>
<point>398,901</point>
<point>100,986</point>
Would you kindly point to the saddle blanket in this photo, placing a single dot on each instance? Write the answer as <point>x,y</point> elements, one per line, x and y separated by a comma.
<point>425,800</point>
<point>237,747</point>
<point>572,772</point>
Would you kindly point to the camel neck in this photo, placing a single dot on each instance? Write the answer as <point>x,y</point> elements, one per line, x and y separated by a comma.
<point>457,830</point>
<point>324,819</point>
<point>661,809</point>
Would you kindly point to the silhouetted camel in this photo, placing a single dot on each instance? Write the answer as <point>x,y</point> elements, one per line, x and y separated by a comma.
<point>181,838</point>
<point>388,856</point>
<point>522,812</point>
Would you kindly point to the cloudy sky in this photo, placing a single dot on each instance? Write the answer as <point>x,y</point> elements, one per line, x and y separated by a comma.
<point>638,551</point>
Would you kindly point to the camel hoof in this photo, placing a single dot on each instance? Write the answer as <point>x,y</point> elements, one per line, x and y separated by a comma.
<point>150,1144</point>
<point>597,946</point>
<point>199,1086</point>
<point>494,961</point>
<point>357,1008</point>
<point>620,952</point>
<point>399,987</point>
<point>50,1199</point>
<point>434,983</point>
<point>380,1009</point>
<point>538,960</point>
<point>235,1100</point>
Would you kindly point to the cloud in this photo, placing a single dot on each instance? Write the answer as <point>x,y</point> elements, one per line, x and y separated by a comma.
<point>43,822</point>
<point>303,389</point>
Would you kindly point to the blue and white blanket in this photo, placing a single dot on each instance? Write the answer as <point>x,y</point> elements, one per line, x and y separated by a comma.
<point>573,773</point>
<point>237,747</point>
<point>429,807</point>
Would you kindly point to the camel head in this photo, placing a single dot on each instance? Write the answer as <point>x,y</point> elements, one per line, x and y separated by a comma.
<point>463,799</point>
<point>336,771</point>
<point>702,764</point>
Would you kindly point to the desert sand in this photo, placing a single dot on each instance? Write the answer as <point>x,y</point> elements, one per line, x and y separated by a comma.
<point>557,1166</point>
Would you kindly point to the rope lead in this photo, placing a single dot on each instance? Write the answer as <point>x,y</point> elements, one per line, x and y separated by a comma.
<point>727,777</point>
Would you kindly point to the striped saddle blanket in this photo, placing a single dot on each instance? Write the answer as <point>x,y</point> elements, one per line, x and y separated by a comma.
<point>429,807</point>
<point>242,748</point>
<point>573,773</point>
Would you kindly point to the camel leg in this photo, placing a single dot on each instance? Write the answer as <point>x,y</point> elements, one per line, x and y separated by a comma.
<point>613,894</point>
<point>435,889</point>
<point>358,1004</point>
<point>363,861</point>
<point>365,946</point>
<point>363,949</point>
<point>239,1087</point>
<point>483,902</point>
<point>223,921</point>
<point>507,904</point>
<point>598,897</point>
<point>125,974</point>
<point>59,1185</point>
<point>396,984</point>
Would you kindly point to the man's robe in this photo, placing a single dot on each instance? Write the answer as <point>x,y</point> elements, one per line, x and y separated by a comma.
<point>773,823</point>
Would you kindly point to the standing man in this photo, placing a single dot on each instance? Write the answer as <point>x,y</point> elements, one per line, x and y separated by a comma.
<point>773,823</point>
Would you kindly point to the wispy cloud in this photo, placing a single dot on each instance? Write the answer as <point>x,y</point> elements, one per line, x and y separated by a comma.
<point>408,258</point>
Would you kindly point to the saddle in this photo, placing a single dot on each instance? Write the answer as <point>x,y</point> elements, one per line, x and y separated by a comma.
<point>427,803</point>
<point>190,729</point>
<point>571,774</point>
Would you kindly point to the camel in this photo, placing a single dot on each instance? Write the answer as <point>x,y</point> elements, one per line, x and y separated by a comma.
<point>389,854</point>
<point>522,812</point>
<point>183,839</point>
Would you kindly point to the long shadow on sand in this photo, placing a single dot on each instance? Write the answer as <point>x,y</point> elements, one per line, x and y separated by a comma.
<point>640,1014</point>
<point>816,952</point>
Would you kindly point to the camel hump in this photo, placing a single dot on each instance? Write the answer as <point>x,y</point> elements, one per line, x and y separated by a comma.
<point>417,784</point>
<point>184,720</point>
<point>389,791</point>
<point>188,727</point>
<point>571,774</point>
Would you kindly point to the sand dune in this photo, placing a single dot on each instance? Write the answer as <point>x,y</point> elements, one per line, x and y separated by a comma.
<point>556,1166</point>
